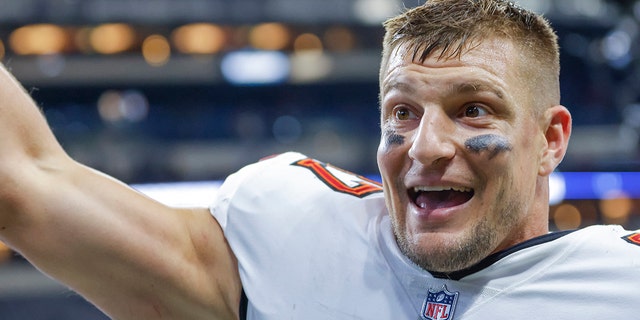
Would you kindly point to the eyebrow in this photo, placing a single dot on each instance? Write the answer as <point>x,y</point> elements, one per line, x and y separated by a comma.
<point>457,88</point>
<point>399,85</point>
<point>474,87</point>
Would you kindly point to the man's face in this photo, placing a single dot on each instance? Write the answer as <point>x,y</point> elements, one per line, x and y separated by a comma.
<point>460,155</point>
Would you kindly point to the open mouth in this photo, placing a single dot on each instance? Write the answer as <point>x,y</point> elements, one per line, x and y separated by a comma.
<point>439,197</point>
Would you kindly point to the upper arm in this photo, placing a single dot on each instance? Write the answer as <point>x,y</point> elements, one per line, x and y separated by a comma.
<point>132,256</point>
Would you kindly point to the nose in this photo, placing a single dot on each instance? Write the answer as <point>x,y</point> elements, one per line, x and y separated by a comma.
<point>433,140</point>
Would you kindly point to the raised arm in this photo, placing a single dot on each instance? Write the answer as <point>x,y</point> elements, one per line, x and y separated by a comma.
<point>132,257</point>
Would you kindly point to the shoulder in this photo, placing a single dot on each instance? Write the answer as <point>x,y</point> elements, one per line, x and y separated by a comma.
<point>298,174</point>
<point>291,183</point>
<point>610,236</point>
<point>292,166</point>
<point>599,248</point>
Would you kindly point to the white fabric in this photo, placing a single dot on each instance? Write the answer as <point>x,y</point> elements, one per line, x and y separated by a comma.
<point>306,251</point>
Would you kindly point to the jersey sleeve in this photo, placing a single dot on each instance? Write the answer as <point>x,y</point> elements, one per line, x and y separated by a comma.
<point>290,217</point>
<point>243,178</point>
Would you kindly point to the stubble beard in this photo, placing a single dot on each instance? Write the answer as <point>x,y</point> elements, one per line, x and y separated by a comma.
<point>462,252</point>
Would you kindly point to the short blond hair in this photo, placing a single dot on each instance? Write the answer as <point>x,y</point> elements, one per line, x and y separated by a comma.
<point>450,27</point>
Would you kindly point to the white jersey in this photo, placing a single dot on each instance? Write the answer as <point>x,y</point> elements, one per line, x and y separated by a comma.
<point>315,242</point>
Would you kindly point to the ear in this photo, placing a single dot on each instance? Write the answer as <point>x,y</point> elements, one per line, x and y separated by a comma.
<point>557,133</point>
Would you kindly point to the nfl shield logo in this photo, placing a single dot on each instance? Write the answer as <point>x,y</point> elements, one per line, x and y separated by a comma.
<point>439,305</point>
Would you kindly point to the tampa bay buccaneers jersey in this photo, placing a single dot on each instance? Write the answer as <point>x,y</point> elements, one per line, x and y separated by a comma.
<point>315,242</point>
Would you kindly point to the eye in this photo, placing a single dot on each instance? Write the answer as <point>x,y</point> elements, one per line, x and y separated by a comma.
<point>403,113</point>
<point>474,111</point>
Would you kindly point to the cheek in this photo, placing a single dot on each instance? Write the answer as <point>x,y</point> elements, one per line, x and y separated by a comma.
<point>390,150</point>
<point>492,158</point>
<point>390,139</point>
<point>391,157</point>
<point>488,145</point>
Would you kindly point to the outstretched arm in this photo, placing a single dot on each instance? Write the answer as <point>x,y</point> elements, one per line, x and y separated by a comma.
<point>131,256</point>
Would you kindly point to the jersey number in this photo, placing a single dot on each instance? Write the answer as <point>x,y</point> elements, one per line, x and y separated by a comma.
<point>633,238</point>
<point>340,180</point>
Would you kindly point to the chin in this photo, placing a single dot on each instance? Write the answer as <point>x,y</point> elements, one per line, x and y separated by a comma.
<point>447,252</point>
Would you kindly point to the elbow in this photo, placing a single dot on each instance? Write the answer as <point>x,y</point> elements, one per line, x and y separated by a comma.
<point>21,183</point>
<point>12,193</point>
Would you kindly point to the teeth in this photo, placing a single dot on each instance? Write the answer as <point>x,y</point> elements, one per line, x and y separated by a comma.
<point>440,188</point>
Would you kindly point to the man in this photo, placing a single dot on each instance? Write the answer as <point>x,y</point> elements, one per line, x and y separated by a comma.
<point>471,130</point>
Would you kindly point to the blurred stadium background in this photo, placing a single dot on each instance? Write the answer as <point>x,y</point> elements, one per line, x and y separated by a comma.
<point>173,95</point>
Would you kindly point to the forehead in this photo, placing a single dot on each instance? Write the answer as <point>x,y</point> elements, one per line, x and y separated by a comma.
<point>492,65</point>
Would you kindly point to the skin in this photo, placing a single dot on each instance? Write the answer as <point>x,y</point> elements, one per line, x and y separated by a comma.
<point>466,123</point>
